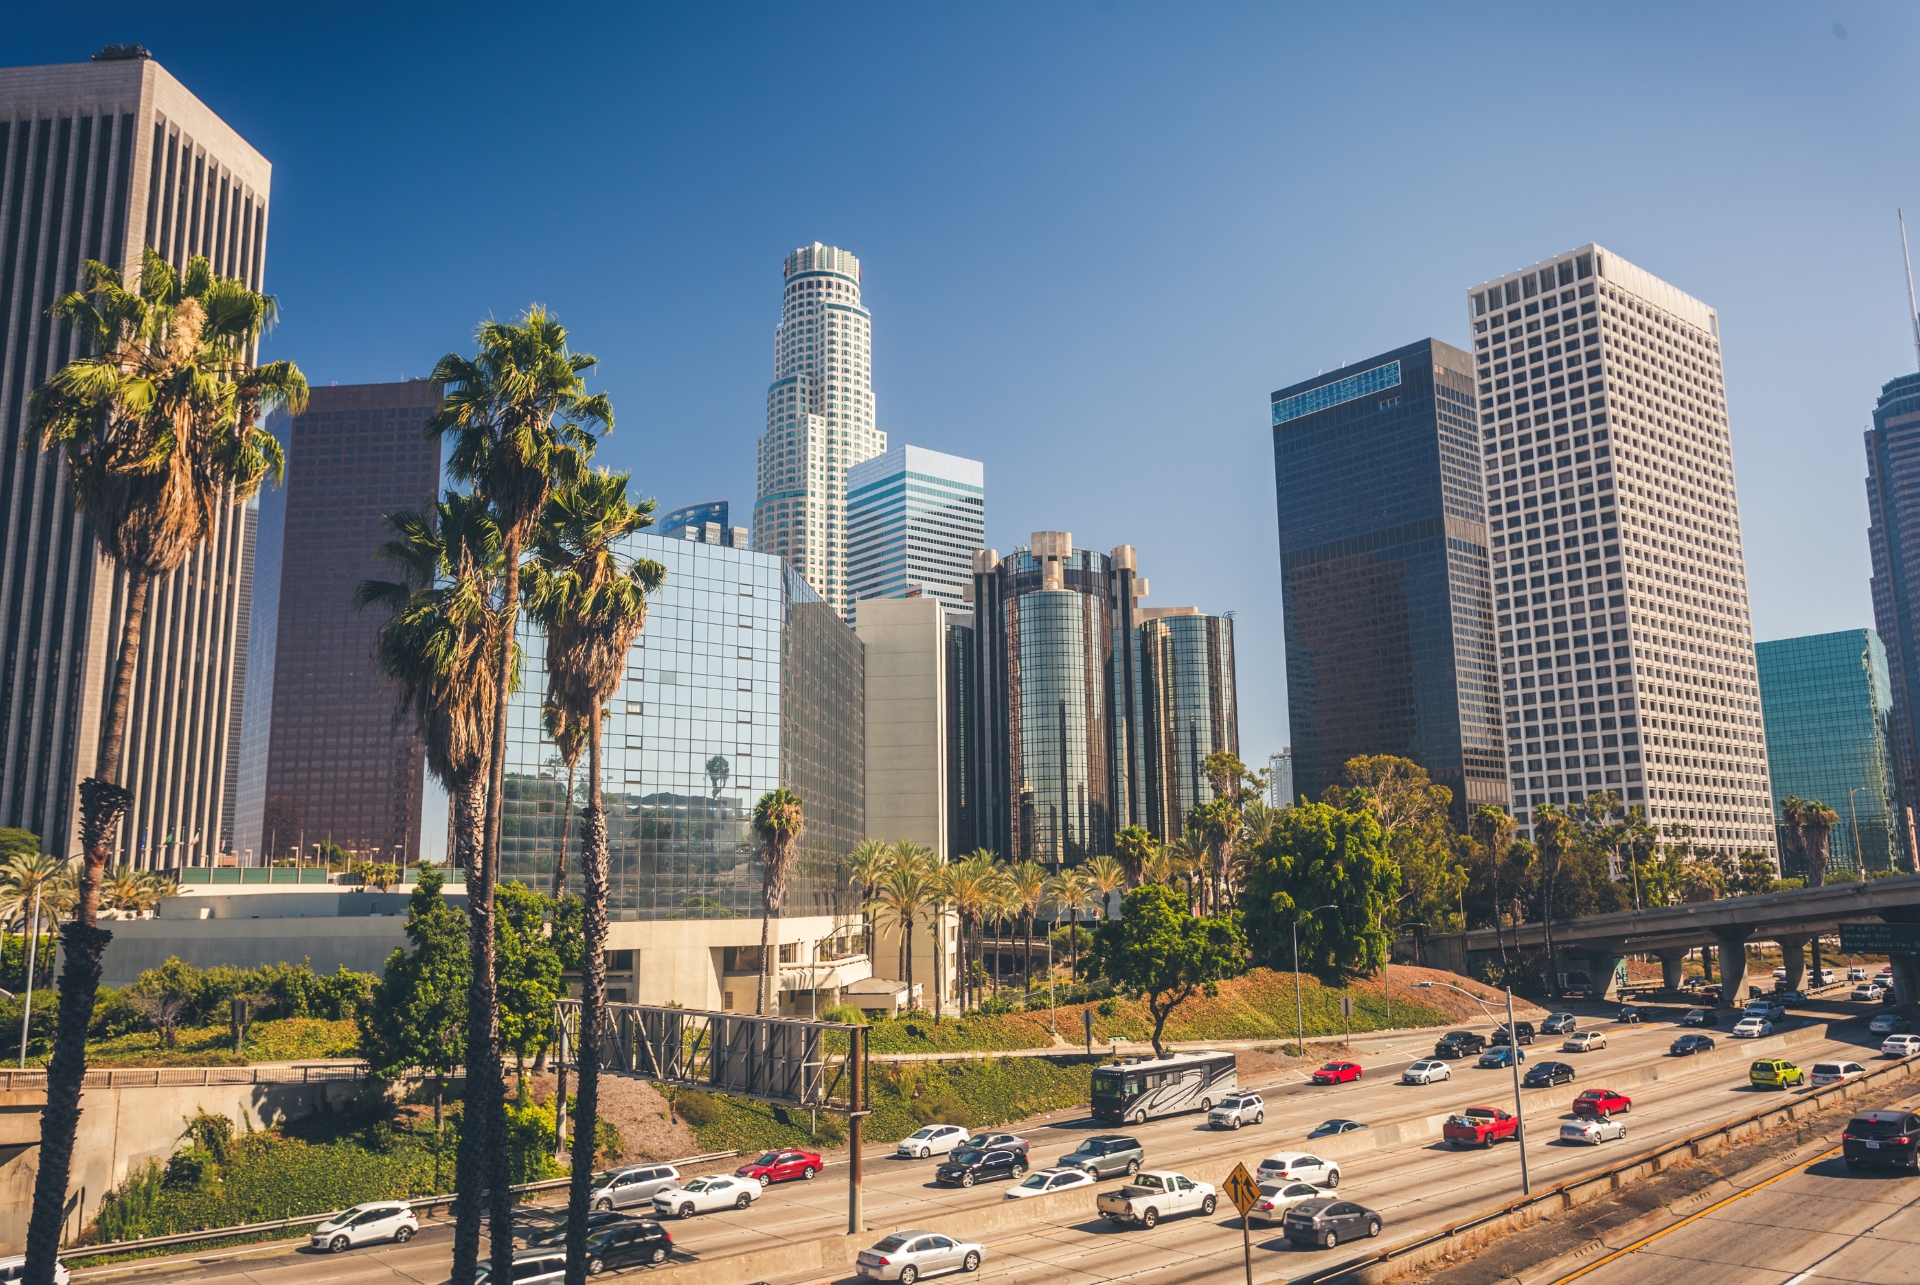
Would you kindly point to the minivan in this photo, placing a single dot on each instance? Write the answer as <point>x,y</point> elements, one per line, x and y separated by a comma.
<point>619,1188</point>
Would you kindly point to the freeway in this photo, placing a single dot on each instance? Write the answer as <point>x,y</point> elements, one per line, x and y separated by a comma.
<point>1419,1185</point>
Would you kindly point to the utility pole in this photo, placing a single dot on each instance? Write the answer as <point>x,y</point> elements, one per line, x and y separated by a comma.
<point>857,1085</point>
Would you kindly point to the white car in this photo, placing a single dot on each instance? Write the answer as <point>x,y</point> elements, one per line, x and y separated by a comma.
<point>1584,1042</point>
<point>1239,1109</point>
<point>1824,977</point>
<point>1779,974</point>
<point>392,1220</point>
<point>1901,1045</point>
<point>715,1191</point>
<point>935,1137</point>
<point>1752,1028</point>
<point>1278,1197</point>
<point>1426,1071</point>
<point>1592,1130</point>
<point>1871,992</point>
<point>1857,973</point>
<point>1298,1166</point>
<point>908,1256</point>
<point>15,1269</point>
<point>1045,1182</point>
<point>1824,1073</point>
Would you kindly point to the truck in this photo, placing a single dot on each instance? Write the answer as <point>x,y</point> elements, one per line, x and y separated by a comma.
<point>1479,1127</point>
<point>1155,1194</point>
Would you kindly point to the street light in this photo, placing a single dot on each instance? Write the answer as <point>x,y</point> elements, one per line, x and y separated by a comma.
<point>1299,1013</point>
<point>1859,857</point>
<point>1513,1047</point>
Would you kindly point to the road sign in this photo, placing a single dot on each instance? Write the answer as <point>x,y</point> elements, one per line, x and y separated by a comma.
<point>1242,1190</point>
<point>1346,1006</point>
<point>1880,939</point>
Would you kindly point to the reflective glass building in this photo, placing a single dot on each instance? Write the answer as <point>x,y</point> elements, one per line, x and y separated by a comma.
<point>1893,538</point>
<point>743,680</point>
<point>1828,705</point>
<point>1187,710</point>
<point>1384,573</point>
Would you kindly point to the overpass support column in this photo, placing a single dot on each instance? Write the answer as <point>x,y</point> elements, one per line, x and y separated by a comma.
<point>1733,967</point>
<point>1603,964</point>
<point>1793,953</point>
<point>1671,972</point>
<point>1906,978</point>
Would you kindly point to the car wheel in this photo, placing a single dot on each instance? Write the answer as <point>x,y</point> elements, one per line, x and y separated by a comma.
<point>1208,1205</point>
<point>657,1255</point>
<point>1333,1180</point>
<point>338,1244</point>
<point>966,1180</point>
<point>595,1266</point>
<point>1260,1118</point>
<point>1605,1114</point>
<point>1329,1240</point>
<point>402,1236</point>
<point>808,1173</point>
<point>1139,1117</point>
<point>1206,1104</point>
<point>603,1205</point>
<point>1133,1167</point>
<point>923,1153</point>
<point>1373,1226</point>
<point>742,1200</point>
<point>1150,1219</point>
<point>686,1210</point>
<point>1019,1171</point>
<point>971,1263</point>
<point>908,1274</point>
<point>1235,1123</point>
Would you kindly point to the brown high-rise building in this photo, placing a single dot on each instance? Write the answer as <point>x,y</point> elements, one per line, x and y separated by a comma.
<point>97,161</point>
<point>322,757</point>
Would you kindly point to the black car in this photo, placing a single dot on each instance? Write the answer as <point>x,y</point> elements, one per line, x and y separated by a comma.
<point>1545,1075</point>
<point>1327,1222</point>
<point>1700,1017</point>
<point>1790,997</point>
<point>627,1244</point>
<point>1558,1024</point>
<point>556,1232</point>
<point>1460,1044</point>
<point>1883,1138</point>
<point>1629,1014</point>
<point>968,1166</point>
<point>1688,1045</point>
<point>1523,1031</point>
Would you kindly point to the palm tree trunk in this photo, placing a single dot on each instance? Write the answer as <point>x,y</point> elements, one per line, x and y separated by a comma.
<point>766,936</point>
<point>102,803</point>
<point>906,951</point>
<point>470,1172</point>
<point>937,928</point>
<point>1073,942</point>
<point>593,859</point>
<point>560,862</point>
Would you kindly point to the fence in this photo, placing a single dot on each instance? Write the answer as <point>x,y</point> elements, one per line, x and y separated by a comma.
<point>135,1077</point>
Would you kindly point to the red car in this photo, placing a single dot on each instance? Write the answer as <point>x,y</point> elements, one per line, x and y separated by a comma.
<point>778,1166</point>
<point>1602,1103</point>
<point>1337,1073</point>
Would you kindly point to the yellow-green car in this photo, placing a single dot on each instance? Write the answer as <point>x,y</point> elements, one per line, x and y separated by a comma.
<point>1774,1073</point>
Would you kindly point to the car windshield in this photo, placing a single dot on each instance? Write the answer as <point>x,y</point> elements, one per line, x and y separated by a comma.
<point>924,1133</point>
<point>1037,1181</point>
<point>968,1156</point>
<point>698,1184</point>
<point>1331,1126</point>
<point>768,1158</point>
<point>1230,1104</point>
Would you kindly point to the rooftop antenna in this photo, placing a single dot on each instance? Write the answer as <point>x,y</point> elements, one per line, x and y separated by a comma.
<point>1913,310</point>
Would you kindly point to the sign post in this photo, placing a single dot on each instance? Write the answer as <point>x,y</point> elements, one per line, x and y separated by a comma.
<point>1244,1192</point>
<point>1346,1015</point>
<point>1086,1020</point>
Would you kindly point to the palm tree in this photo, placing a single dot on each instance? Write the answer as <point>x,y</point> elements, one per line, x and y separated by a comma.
<point>904,893</point>
<point>1553,834</point>
<point>968,887</point>
<point>1107,876</point>
<point>936,905</point>
<point>569,736</point>
<point>1492,828</point>
<point>522,421</point>
<point>1134,847</point>
<point>592,607</point>
<point>1069,891</point>
<point>867,865</point>
<point>1186,858</point>
<point>1157,866</point>
<point>778,819</point>
<point>1003,908</point>
<point>1029,888</point>
<point>158,431</point>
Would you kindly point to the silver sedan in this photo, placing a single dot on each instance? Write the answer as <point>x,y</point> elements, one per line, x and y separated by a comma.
<point>1593,1131</point>
<point>908,1256</point>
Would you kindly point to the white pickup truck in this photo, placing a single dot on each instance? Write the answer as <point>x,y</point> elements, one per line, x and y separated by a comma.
<point>1154,1194</point>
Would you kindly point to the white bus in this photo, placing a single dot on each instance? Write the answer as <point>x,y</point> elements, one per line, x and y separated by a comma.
<point>1144,1088</point>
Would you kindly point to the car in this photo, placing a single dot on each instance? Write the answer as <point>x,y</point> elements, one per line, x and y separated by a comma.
<point>1774,1073</point>
<point>1857,973</point>
<point>530,1267</point>
<point>1592,1130</point>
<point>1825,1073</point>
<point>1044,1182</point>
<point>1630,1015</point>
<point>703,1195</point>
<point>1295,1166</point>
<point>935,1137</point>
<point>15,1269</point>
<point>1459,1044</point>
<point>908,1256</point>
<point>983,1141</point>
<point>1882,1138</point>
<point>1583,1042</point>
<point>1870,992</point>
<point>555,1232</point>
<point>1822,977</point>
<point>1688,1045</point>
<point>1278,1197</point>
<point>1239,1109</point>
<point>1885,975</point>
<point>1784,998</point>
<point>1426,1071</point>
<point>1105,1155</point>
<point>1900,1045</point>
<point>1771,1009</point>
<point>619,1188</point>
<point>968,1166</point>
<point>1602,1103</point>
<point>1337,1073</point>
<point>627,1244</point>
<point>1712,993</point>
<point>1334,1128</point>
<point>1700,1017</point>
<point>1156,1194</point>
<point>1479,1127</point>
<point>1780,974</point>
<point>1324,1223</point>
<point>1752,1028</point>
<point>1502,1055</point>
<point>1522,1034</point>
<point>782,1166</point>
<point>392,1220</point>
<point>1890,1024</point>
<point>1559,1024</point>
<point>1547,1074</point>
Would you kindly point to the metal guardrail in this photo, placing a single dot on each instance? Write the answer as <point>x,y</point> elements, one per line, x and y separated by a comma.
<point>74,1254</point>
<point>137,1077</point>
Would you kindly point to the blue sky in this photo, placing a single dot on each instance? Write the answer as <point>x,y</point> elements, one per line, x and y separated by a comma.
<point>1096,233</point>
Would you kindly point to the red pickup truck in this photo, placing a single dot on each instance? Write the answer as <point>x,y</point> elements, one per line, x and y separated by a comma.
<point>1479,1127</point>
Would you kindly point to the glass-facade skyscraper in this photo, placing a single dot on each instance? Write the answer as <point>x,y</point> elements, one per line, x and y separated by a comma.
<point>1384,573</point>
<point>1829,712</point>
<point>914,520</point>
<point>1893,538</point>
<point>1187,709</point>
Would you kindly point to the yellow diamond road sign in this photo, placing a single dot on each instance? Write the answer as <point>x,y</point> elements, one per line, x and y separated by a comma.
<point>1241,1189</point>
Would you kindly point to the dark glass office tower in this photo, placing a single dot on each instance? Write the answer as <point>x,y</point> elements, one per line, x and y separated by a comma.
<point>1893,536</point>
<point>1384,573</point>
<point>1187,711</point>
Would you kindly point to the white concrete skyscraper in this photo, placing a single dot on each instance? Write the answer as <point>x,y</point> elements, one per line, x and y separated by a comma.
<point>819,420</point>
<point>1620,595</point>
<point>914,519</point>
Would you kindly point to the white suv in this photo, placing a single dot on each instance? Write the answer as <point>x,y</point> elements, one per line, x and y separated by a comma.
<point>381,1220</point>
<point>1835,1073</point>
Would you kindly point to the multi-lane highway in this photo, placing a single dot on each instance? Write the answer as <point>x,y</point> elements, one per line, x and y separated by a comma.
<point>1417,1186</point>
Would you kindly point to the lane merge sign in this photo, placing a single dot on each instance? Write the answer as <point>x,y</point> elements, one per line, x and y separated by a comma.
<point>1242,1190</point>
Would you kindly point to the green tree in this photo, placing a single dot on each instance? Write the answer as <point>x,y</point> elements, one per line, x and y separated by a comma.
<point>910,888</point>
<point>1414,818</point>
<point>779,818</point>
<point>1160,952</point>
<point>1492,831</point>
<point>417,1017</point>
<point>1553,832</point>
<point>866,866</point>
<point>529,968</point>
<point>15,843</point>
<point>1134,847</point>
<point>1320,855</point>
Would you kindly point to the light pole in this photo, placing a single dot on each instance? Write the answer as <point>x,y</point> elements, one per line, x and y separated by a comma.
<point>1859,857</point>
<point>1299,1012</point>
<point>1513,1047</point>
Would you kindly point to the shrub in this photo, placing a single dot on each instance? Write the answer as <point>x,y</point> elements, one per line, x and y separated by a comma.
<point>1108,1007</point>
<point>831,1131</point>
<point>190,1169</point>
<point>846,1013</point>
<point>696,1108</point>
<point>607,1142</point>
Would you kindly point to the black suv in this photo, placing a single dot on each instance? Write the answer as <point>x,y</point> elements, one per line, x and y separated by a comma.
<point>1883,1138</point>
<point>1460,1044</point>
<point>597,1220</point>
<point>1522,1030</point>
<point>968,1166</point>
<point>627,1245</point>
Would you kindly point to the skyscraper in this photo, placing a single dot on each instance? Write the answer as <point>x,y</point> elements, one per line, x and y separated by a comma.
<point>1893,536</point>
<point>1829,708</point>
<point>1280,792</point>
<point>1383,572</point>
<point>914,519</point>
<point>819,420</point>
<point>101,159</point>
<point>323,757</point>
<point>703,523</point>
<point>1626,650</point>
<point>1188,709</point>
